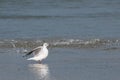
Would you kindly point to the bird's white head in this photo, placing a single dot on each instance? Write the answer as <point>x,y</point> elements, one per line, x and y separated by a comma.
<point>46,44</point>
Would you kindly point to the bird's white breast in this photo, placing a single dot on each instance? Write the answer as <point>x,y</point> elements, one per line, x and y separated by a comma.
<point>43,53</point>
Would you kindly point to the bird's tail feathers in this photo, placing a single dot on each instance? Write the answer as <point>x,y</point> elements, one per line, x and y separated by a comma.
<point>30,59</point>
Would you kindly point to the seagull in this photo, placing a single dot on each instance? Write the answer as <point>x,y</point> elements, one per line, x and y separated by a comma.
<point>40,53</point>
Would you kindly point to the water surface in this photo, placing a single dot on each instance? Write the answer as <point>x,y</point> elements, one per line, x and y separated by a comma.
<point>59,19</point>
<point>83,37</point>
<point>62,64</point>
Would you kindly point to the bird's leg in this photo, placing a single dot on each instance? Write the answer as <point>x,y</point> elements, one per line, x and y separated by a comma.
<point>39,62</point>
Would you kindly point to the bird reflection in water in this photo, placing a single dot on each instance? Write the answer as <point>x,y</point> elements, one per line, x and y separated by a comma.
<point>41,71</point>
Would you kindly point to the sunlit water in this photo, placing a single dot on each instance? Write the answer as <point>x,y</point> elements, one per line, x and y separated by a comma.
<point>41,71</point>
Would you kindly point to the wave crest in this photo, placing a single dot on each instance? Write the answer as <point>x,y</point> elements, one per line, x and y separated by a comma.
<point>73,43</point>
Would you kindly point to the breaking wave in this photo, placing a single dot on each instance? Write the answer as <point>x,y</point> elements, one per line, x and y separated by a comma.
<point>70,43</point>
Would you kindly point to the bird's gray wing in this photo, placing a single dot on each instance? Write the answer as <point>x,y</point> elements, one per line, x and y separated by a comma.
<point>35,50</point>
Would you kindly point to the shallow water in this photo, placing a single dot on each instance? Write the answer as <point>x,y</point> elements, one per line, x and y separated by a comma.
<point>83,37</point>
<point>62,64</point>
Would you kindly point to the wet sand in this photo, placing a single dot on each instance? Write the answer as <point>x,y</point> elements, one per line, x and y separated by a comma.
<point>62,64</point>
